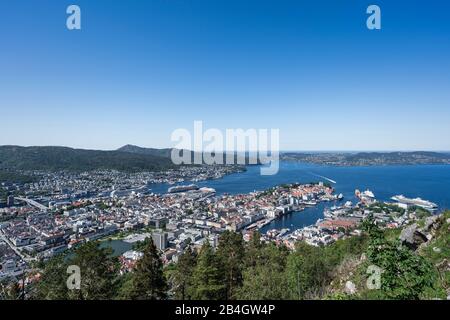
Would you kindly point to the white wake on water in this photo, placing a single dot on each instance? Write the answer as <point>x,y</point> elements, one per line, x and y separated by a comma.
<point>323,177</point>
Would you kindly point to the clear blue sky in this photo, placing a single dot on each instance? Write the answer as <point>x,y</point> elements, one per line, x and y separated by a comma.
<point>140,69</point>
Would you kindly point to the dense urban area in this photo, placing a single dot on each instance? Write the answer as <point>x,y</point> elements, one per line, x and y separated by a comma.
<point>209,246</point>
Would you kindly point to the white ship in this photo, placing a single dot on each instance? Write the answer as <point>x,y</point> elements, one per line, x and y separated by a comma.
<point>365,195</point>
<point>368,194</point>
<point>428,205</point>
<point>182,188</point>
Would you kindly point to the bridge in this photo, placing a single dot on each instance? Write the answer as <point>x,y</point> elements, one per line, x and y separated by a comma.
<point>33,203</point>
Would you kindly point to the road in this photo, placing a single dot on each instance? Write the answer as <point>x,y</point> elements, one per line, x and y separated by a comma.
<point>12,246</point>
<point>32,203</point>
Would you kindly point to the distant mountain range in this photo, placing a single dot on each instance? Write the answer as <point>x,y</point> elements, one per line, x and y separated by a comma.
<point>126,158</point>
<point>370,158</point>
<point>165,153</point>
<point>134,158</point>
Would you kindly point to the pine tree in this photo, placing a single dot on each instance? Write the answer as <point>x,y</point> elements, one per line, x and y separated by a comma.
<point>182,280</point>
<point>10,291</point>
<point>267,278</point>
<point>253,252</point>
<point>208,277</point>
<point>231,253</point>
<point>98,272</point>
<point>307,271</point>
<point>148,281</point>
<point>52,284</point>
<point>125,287</point>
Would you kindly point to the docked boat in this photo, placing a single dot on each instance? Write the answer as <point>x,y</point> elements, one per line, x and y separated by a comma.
<point>185,188</point>
<point>425,204</point>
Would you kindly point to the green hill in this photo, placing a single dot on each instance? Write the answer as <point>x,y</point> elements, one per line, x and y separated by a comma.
<point>167,153</point>
<point>63,158</point>
<point>146,151</point>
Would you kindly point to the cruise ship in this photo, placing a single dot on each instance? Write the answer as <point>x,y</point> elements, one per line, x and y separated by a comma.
<point>182,188</point>
<point>428,205</point>
<point>365,196</point>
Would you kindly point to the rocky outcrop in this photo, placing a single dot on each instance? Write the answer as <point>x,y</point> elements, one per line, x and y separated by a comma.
<point>343,274</point>
<point>412,237</point>
<point>432,223</point>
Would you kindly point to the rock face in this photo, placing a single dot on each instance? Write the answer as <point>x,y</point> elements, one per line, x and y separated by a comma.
<point>431,223</point>
<point>350,287</point>
<point>412,237</point>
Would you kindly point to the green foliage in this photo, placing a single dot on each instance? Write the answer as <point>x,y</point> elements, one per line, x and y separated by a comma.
<point>438,253</point>
<point>307,271</point>
<point>10,290</point>
<point>15,177</point>
<point>102,206</point>
<point>231,254</point>
<point>257,270</point>
<point>266,278</point>
<point>182,276</point>
<point>52,285</point>
<point>379,207</point>
<point>369,226</point>
<point>420,212</point>
<point>405,274</point>
<point>62,158</point>
<point>148,281</point>
<point>142,245</point>
<point>268,271</point>
<point>253,250</point>
<point>208,276</point>
<point>349,247</point>
<point>98,272</point>
<point>125,287</point>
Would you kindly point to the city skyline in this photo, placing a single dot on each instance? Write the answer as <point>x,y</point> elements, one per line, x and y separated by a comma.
<point>136,72</point>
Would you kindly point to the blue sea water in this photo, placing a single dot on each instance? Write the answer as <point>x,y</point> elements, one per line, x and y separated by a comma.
<point>430,182</point>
